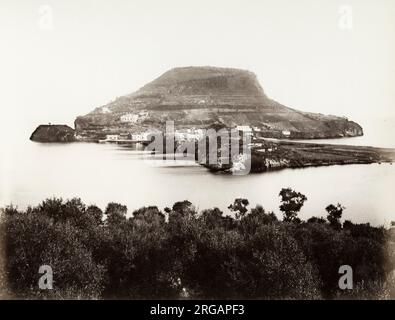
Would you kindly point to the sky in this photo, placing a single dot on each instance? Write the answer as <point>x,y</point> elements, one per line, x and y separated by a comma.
<point>61,59</point>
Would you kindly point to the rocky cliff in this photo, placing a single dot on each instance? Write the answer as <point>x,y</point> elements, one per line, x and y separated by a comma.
<point>53,133</point>
<point>200,96</point>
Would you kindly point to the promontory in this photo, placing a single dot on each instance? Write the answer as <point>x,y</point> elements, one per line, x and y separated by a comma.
<point>197,97</point>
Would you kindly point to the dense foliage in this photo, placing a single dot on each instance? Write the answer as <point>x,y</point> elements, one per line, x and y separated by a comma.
<point>181,253</point>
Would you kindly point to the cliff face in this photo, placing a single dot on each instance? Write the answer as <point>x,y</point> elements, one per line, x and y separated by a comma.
<point>201,96</point>
<point>53,133</point>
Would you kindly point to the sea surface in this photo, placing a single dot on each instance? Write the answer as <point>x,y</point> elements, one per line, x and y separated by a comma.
<point>103,173</point>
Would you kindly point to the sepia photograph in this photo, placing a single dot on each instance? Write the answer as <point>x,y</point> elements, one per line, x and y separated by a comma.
<point>197,151</point>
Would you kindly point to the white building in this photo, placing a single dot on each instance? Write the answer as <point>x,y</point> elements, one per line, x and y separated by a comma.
<point>136,136</point>
<point>245,129</point>
<point>112,137</point>
<point>142,136</point>
<point>180,135</point>
<point>130,117</point>
<point>286,133</point>
<point>189,134</point>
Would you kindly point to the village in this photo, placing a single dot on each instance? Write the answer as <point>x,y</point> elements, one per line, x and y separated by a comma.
<point>181,135</point>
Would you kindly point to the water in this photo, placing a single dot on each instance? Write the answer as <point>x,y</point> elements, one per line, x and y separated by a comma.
<point>101,173</point>
<point>377,133</point>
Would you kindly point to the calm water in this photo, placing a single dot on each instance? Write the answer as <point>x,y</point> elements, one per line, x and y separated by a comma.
<point>101,173</point>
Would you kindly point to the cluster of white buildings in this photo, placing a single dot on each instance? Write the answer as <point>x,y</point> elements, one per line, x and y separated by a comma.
<point>134,117</point>
<point>247,130</point>
<point>267,149</point>
<point>142,136</point>
<point>189,134</point>
<point>112,137</point>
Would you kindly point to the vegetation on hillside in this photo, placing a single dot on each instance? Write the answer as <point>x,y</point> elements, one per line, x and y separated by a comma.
<point>200,96</point>
<point>183,253</point>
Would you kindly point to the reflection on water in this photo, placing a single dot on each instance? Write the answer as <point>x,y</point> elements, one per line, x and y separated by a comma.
<point>102,173</point>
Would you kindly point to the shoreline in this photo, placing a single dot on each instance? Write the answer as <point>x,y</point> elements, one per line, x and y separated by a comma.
<point>269,155</point>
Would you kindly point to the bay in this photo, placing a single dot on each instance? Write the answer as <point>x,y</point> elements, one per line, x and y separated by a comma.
<point>103,173</point>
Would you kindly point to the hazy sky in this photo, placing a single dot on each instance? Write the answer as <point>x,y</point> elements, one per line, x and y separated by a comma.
<point>303,52</point>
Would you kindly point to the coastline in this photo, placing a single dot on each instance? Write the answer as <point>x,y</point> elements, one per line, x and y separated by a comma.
<point>269,155</point>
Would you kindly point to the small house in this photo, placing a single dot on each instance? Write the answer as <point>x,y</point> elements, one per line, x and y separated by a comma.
<point>112,137</point>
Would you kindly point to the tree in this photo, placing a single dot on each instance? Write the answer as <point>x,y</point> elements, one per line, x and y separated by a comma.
<point>239,207</point>
<point>212,218</point>
<point>206,256</point>
<point>316,220</point>
<point>95,213</point>
<point>264,217</point>
<point>279,267</point>
<point>257,217</point>
<point>148,270</point>
<point>291,203</point>
<point>185,208</point>
<point>116,213</point>
<point>35,240</point>
<point>334,215</point>
<point>151,215</point>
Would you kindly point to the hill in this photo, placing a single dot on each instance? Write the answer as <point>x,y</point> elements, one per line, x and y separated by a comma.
<point>197,97</point>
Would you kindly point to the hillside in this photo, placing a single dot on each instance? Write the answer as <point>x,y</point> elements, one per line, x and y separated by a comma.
<point>200,96</point>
